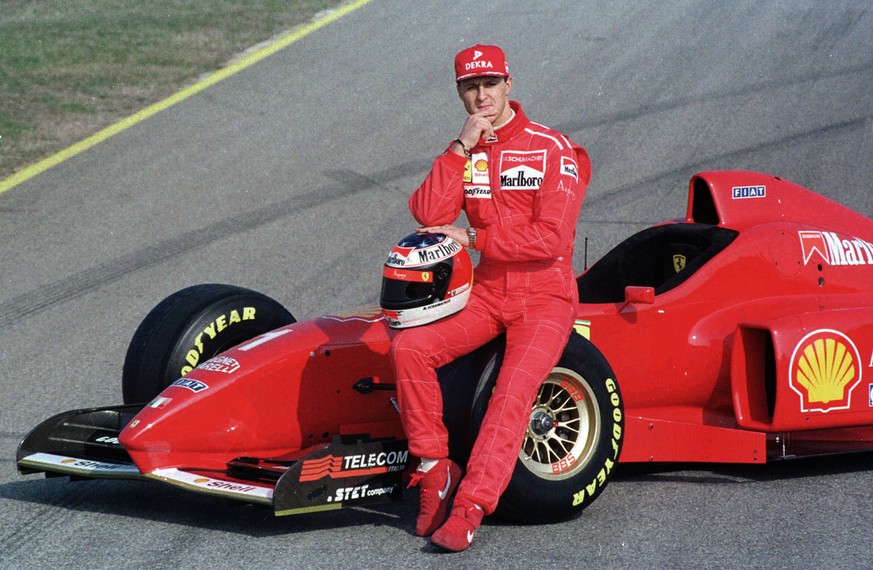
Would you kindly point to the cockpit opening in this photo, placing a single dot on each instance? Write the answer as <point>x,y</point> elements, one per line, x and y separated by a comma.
<point>661,257</point>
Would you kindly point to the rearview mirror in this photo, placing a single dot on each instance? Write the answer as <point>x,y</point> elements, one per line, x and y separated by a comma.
<point>641,295</point>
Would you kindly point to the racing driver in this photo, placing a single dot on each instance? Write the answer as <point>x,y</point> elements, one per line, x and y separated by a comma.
<point>521,185</point>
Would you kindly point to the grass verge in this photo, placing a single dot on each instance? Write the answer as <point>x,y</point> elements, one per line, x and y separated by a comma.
<point>69,68</point>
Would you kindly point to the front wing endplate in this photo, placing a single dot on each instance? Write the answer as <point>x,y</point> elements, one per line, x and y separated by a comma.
<point>345,473</point>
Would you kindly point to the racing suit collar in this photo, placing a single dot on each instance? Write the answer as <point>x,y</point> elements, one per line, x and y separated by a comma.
<point>510,129</point>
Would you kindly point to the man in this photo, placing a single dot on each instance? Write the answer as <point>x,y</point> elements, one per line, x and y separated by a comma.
<point>521,185</point>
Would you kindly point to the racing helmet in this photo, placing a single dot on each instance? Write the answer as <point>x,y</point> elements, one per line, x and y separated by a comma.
<point>427,277</point>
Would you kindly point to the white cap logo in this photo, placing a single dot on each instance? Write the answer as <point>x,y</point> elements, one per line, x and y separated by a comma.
<point>476,54</point>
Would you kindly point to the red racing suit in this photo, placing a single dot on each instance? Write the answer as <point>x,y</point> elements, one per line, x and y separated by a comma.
<point>522,190</point>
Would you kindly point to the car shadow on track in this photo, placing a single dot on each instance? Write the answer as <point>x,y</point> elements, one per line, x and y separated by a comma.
<point>703,473</point>
<point>141,500</point>
<point>159,503</point>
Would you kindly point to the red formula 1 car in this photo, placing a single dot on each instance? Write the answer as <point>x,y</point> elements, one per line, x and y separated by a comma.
<point>740,334</point>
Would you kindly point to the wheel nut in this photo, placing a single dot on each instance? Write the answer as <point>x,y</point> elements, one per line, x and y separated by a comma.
<point>542,423</point>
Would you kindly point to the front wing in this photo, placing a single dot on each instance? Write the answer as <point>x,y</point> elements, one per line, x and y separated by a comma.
<point>349,471</point>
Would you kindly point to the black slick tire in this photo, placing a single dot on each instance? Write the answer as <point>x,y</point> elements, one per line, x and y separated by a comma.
<point>573,438</point>
<point>190,327</point>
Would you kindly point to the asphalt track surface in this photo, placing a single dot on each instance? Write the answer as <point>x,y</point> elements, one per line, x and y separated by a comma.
<point>290,177</point>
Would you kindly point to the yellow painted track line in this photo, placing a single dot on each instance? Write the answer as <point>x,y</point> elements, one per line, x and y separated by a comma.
<point>223,73</point>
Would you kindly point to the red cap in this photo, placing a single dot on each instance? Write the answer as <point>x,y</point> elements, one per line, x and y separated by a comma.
<point>480,60</point>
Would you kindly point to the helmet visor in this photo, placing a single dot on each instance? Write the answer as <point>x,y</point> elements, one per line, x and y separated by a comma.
<point>398,294</point>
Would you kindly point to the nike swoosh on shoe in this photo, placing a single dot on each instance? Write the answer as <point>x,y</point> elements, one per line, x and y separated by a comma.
<point>445,491</point>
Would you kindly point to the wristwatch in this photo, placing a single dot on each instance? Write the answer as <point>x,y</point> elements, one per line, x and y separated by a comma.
<point>463,147</point>
<point>471,237</point>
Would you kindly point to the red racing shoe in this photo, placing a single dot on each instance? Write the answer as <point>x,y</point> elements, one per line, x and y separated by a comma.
<point>457,533</point>
<point>437,485</point>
